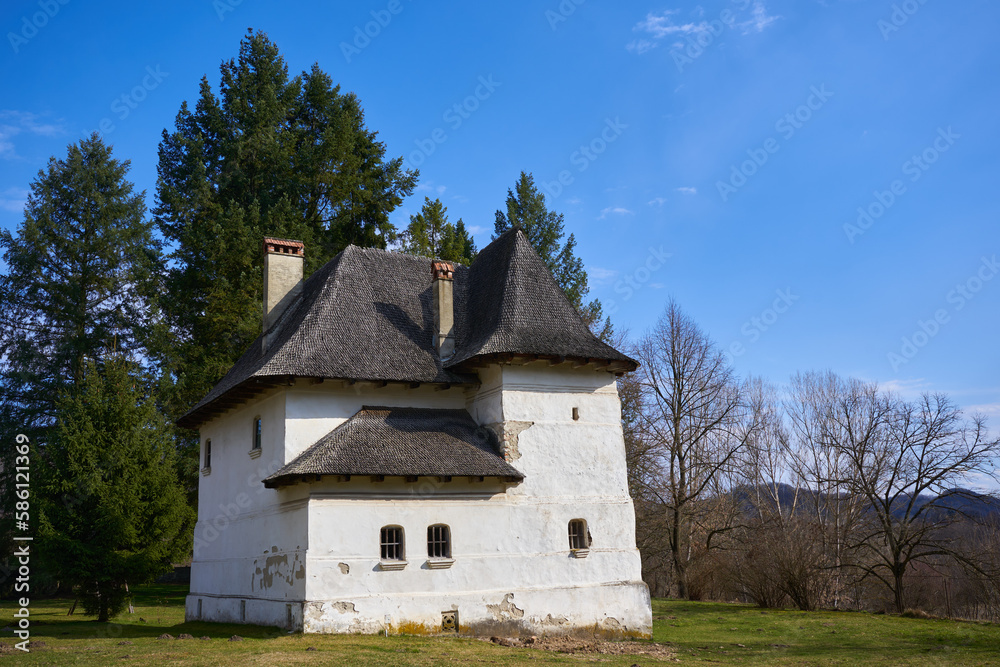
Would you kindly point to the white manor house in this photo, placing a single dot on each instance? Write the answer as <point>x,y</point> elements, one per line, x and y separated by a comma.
<point>418,447</point>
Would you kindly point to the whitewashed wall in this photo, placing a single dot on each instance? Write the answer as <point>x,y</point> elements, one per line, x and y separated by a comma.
<point>513,570</point>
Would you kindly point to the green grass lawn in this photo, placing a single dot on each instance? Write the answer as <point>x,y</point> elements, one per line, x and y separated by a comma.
<point>699,632</point>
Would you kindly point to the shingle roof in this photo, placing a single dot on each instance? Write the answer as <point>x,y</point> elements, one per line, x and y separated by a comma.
<point>402,442</point>
<point>514,306</point>
<point>367,315</point>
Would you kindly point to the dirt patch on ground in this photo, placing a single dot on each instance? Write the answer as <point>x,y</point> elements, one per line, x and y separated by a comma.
<point>589,646</point>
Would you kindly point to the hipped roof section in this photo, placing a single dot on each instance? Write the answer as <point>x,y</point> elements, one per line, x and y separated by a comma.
<point>401,442</point>
<point>367,315</point>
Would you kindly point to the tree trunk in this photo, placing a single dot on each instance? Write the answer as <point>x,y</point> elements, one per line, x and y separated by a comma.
<point>676,548</point>
<point>897,577</point>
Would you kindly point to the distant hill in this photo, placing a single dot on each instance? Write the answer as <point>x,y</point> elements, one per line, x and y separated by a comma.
<point>970,503</point>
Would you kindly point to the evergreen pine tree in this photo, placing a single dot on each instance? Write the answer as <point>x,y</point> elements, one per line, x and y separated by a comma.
<point>79,271</point>
<point>431,235</point>
<point>544,228</point>
<point>112,512</point>
<point>271,155</point>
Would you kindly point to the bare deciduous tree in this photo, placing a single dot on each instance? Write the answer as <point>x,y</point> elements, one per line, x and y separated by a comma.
<point>817,469</point>
<point>906,460</point>
<point>695,422</point>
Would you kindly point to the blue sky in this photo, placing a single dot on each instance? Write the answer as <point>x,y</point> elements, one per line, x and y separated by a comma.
<point>716,152</point>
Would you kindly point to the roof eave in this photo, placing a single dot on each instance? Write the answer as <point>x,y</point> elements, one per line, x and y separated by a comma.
<point>279,481</point>
<point>616,366</point>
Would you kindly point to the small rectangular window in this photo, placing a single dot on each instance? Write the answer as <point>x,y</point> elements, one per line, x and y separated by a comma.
<point>392,543</point>
<point>578,535</point>
<point>256,433</point>
<point>438,541</point>
<point>208,453</point>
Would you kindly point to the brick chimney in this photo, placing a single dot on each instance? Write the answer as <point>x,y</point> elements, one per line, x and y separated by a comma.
<point>442,289</point>
<point>283,260</point>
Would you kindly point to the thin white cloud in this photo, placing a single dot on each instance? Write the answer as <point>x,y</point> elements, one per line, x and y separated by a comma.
<point>13,123</point>
<point>991,410</point>
<point>657,201</point>
<point>6,145</point>
<point>476,229</point>
<point>430,187</point>
<point>687,190</point>
<point>13,199</point>
<point>640,46</point>
<point>614,210</point>
<point>31,123</point>
<point>981,483</point>
<point>908,389</point>
<point>601,275</point>
<point>574,201</point>
<point>660,26</point>
<point>759,18</point>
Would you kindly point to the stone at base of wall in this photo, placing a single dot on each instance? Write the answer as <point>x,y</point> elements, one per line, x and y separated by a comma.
<point>619,610</point>
<point>286,614</point>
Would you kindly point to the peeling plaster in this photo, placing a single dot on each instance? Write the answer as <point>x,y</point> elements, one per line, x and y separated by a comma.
<point>344,568</point>
<point>276,567</point>
<point>508,433</point>
<point>506,610</point>
<point>611,624</point>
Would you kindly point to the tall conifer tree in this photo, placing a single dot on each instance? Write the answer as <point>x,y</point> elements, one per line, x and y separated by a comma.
<point>271,155</point>
<point>113,513</point>
<point>431,234</point>
<point>80,270</point>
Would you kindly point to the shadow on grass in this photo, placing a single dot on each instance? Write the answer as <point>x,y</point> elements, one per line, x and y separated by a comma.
<point>131,630</point>
<point>159,599</point>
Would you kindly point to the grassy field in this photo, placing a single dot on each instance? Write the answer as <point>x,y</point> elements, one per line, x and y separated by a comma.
<point>697,633</point>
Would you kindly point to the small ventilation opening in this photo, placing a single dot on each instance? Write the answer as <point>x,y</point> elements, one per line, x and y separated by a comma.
<point>449,621</point>
<point>243,611</point>
<point>199,609</point>
<point>576,414</point>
